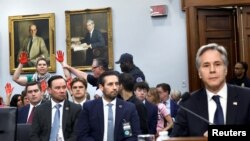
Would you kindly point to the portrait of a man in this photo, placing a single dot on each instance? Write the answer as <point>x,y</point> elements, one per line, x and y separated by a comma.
<point>89,35</point>
<point>35,46</point>
<point>33,34</point>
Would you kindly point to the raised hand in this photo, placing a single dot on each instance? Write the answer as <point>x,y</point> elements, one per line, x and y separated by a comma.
<point>23,58</point>
<point>8,89</point>
<point>60,56</point>
<point>43,85</point>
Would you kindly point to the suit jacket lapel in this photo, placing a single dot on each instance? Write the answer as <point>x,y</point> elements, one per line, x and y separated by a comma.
<point>100,115</point>
<point>231,104</point>
<point>65,114</point>
<point>118,116</point>
<point>202,104</point>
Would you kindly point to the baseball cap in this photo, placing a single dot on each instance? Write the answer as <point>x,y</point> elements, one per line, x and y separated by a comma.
<point>125,57</point>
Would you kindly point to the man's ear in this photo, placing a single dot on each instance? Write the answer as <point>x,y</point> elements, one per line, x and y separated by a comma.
<point>199,75</point>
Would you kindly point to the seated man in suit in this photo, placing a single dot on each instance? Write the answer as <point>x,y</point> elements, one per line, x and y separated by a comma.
<point>55,119</point>
<point>164,90</point>
<point>141,89</point>
<point>96,122</point>
<point>219,102</point>
<point>34,94</point>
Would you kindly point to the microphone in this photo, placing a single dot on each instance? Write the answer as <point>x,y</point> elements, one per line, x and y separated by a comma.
<point>191,112</point>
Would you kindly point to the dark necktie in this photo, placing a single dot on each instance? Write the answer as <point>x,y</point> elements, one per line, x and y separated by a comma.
<point>110,136</point>
<point>30,44</point>
<point>218,115</point>
<point>56,124</point>
<point>31,115</point>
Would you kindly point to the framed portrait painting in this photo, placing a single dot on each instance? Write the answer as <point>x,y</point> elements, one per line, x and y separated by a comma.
<point>89,36</point>
<point>33,34</point>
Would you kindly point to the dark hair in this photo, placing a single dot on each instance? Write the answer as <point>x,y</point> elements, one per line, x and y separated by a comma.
<point>54,77</point>
<point>32,84</point>
<point>165,87</point>
<point>127,81</point>
<point>14,100</point>
<point>141,85</point>
<point>102,62</point>
<point>23,94</point>
<point>105,74</point>
<point>77,79</point>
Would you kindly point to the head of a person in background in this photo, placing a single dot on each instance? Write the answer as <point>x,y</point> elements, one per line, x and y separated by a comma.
<point>99,65</point>
<point>140,90</point>
<point>33,93</point>
<point>175,95</point>
<point>41,66</point>
<point>90,25</point>
<point>126,82</point>
<point>25,98</point>
<point>211,63</point>
<point>163,90</point>
<point>153,96</point>
<point>240,69</point>
<point>16,101</point>
<point>109,85</point>
<point>126,62</point>
<point>79,89</point>
<point>57,88</point>
<point>32,30</point>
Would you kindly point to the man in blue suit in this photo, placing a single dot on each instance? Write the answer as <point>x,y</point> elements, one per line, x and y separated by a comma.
<point>164,90</point>
<point>220,103</point>
<point>34,94</point>
<point>94,120</point>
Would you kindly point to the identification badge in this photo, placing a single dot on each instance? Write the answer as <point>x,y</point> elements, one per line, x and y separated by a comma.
<point>127,129</point>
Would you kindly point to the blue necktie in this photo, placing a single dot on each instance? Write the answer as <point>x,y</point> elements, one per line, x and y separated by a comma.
<point>56,124</point>
<point>218,116</point>
<point>110,136</point>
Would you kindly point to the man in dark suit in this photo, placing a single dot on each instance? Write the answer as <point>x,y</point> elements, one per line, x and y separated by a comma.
<point>218,102</point>
<point>34,94</point>
<point>94,120</point>
<point>46,113</point>
<point>140,90</point>
<point>164,90</point>
<point>93,40</point>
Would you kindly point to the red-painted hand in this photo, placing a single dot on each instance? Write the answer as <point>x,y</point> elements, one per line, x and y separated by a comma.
<point>8,88</point>
<point>60,56</point>
<point>43,85</point>
<point>23,58</point>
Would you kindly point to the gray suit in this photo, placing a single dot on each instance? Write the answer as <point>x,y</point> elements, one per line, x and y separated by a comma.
<point>41,125</point>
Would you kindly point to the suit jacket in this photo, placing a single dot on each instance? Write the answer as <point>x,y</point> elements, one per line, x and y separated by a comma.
<point>189,125</point>
<point>152,115</point>
<point>22,115</point>
<point>90,126</point>
<point>41,125</point>
<point>173,108</point>
<point>38,49</point>
<point>96,40</point>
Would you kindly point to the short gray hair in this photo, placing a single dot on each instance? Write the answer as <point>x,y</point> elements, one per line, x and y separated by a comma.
<point>211,46</point>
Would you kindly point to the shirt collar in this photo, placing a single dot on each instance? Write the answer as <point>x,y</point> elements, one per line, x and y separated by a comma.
<point>106,102</point>
<point>53,103</point>
<point>222,93</point>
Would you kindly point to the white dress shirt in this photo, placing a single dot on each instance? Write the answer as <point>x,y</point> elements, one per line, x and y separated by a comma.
<point>106,111</point>
<point>60,132</point>
<point>212,105</point>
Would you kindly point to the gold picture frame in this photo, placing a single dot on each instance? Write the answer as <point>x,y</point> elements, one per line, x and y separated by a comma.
<point>77,34</point>
<point>19,32</point>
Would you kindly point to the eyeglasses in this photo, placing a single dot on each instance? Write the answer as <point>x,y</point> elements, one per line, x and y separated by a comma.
<point>94,67</point>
